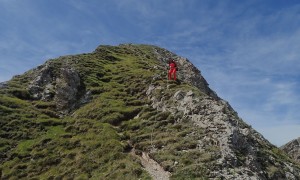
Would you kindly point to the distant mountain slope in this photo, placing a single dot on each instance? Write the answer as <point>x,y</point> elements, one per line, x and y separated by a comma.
<point>293,149</point>
<point>111,114</point>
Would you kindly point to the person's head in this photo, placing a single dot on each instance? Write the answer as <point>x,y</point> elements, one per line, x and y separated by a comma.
<point>171,60</point>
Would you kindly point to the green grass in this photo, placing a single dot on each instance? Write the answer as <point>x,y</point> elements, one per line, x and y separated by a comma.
<point>87,145</point>
<point>94,140</point>
<point>24,147</point>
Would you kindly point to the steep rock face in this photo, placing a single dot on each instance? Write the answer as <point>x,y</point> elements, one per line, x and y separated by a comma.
<point>112,114</point>
<point>293,149</point>
<point>240,148</point>
<point>240,145</point>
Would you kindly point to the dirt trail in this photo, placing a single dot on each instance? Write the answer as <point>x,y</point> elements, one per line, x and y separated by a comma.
<point>152,167</point>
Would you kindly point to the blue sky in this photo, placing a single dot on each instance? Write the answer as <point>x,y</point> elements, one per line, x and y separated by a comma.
<point>248,50</point>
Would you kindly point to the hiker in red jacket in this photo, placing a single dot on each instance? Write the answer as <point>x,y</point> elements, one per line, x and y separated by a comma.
<point>172,71</point>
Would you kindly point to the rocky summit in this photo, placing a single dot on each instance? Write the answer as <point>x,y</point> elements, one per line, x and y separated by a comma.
<point>293,149</point>
<point>112,114</point>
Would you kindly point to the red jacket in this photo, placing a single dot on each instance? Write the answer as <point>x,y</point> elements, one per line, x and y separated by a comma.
<point>172,65</point>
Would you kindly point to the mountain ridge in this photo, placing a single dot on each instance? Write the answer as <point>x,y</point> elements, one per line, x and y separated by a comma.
<point>95,108</point>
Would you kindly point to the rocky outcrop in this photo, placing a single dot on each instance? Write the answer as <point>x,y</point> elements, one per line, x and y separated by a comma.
<point>187,72</point>
<point>62,85</point>
<point>240,145</point>
<point>293,149</point>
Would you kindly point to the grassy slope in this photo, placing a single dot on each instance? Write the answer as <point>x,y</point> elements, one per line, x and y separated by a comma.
<point>34,143</point>
<point>95,141</point>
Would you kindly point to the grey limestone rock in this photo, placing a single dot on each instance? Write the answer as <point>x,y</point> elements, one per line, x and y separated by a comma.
<point>239,144</point>
<point>293,149</point>
<point>63,86</point>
